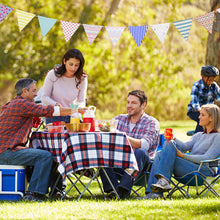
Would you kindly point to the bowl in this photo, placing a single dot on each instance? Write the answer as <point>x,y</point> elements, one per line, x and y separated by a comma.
<point>106,125</point>
<point>55,129</point>
<point>78,127</point>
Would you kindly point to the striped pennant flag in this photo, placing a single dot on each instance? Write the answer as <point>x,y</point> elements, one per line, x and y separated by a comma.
<point>114,33</point>
<point>206,20</point>
<point>183,27</point>
<point>92,31</point>
<point>23,18</point>
<point>46,24</point>
<point>161,30</point>
<point>4,11</point>
<point>138,33</point>
<point>69,29</point>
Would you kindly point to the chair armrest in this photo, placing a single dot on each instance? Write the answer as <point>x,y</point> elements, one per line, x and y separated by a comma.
<point>212,163</point>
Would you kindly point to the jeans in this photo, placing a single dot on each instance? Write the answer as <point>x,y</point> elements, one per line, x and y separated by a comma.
<point>167,163</point>
<point>58,118</point>
<point>41,160</point>
<point>126,180</point>
<point>195,117</point>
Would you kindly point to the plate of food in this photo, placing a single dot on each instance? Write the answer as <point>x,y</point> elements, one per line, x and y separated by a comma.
<point>106,125</point>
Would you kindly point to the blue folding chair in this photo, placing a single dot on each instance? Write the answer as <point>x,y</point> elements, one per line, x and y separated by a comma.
<point>196,179</point>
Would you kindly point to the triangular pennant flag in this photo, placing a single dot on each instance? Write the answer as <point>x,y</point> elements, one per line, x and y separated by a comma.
<point>92,31</point>
<point>138,33</point>
<point>46,24</point>
<point>206,20</point>
<point>218,10</point>
<point>4,11</point>
<point>114,33</point>
<point>183,27</point>
<point>69,29</point>
<point>161,30</point>
<point>23,18</point>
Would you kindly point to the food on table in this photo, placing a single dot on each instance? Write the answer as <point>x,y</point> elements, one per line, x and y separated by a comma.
<point>107,125</point>
<point>78,127</point>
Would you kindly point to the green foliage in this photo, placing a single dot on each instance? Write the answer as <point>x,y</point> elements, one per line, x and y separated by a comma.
<point>165,71</point>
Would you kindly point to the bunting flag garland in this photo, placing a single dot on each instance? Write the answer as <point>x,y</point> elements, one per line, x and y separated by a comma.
<point>46,24</point>
<point>69,29</point>
<point>138,33</point>
<point>183,27</point>
<point>206,20</point>
<point>92,31</point>
<point>114,33</point>
<point>4,11</point>
<point>161,30</point>
<point>23,18</point>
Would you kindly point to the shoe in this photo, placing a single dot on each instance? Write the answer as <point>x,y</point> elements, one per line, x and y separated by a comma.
<point>151,196</point>
<point>190,133</point>
<point>122,192</point>
<point>111,195</point>
<point>32,196</point>
<point>59,195</point>
<point>162,185</point>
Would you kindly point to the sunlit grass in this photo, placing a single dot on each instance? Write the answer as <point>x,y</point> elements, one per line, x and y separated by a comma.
<point>88,208</point>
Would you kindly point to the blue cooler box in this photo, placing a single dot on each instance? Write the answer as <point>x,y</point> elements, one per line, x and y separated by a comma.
<point>12,182</point>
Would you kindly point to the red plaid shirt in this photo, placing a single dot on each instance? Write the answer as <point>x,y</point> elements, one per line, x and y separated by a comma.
<point>16,121</point>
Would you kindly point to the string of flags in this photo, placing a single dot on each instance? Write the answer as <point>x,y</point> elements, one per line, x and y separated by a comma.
<point>114,32</point>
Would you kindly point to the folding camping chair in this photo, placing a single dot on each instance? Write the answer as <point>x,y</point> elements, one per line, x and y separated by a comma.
<point>141,180</point>
<point>196,179</point>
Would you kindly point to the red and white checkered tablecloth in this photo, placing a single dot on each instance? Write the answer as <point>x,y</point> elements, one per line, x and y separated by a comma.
<point>78,151</point>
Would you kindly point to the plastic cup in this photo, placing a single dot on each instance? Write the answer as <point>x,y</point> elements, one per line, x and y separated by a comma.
<point>56,123</point>
<point>168,133</point>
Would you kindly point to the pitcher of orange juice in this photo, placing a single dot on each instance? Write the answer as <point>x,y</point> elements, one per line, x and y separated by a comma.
<point>75,118</point>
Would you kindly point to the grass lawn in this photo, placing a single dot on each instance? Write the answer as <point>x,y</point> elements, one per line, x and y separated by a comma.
<point>89,208</point>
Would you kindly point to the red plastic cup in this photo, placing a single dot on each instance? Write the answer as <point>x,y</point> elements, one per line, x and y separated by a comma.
<point>168,133</point>
<point>56,123</point>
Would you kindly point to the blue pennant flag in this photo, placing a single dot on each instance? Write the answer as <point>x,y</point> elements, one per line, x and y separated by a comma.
<point>138,33</point>
<point>183,27</point>
<point>46,24</point>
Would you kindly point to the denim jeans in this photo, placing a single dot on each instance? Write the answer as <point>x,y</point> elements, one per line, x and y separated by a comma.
<point>58,118</point>
<point>167,163</point>
<point>41,160</point>
<point>126,180</point>
<point>195,117</point>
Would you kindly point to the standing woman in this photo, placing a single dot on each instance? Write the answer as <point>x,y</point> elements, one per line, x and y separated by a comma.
<point>66,83</point>
<point>172,159</point>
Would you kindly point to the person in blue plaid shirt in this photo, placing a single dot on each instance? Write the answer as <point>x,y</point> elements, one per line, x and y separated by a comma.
<point>142,132</point>
<point>204,91</point>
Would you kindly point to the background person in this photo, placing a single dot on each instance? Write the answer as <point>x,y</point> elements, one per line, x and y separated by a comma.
<point>16,121</point>
<point>204,91</point>
<point>143,134</point>
<point>171,159</point>
<point>66,83</point>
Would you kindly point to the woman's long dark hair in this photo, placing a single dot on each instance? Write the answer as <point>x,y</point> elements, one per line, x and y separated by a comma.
<point>72,53</point>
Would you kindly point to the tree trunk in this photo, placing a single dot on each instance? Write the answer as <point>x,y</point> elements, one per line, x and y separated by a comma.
<point>213,43</point>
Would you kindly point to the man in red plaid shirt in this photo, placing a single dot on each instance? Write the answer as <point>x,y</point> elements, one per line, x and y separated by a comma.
<point>16,121</point>
<point>143,134</point>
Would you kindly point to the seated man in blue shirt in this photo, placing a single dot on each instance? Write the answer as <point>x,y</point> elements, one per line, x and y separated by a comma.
<point>204,91</point>
<point>143,134</point>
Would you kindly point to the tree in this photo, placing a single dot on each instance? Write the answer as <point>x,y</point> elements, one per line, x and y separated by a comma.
<point>213,42</point>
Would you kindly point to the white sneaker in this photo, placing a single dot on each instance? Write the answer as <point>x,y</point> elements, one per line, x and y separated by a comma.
<point>151,196</point>
<point>162,185</point>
